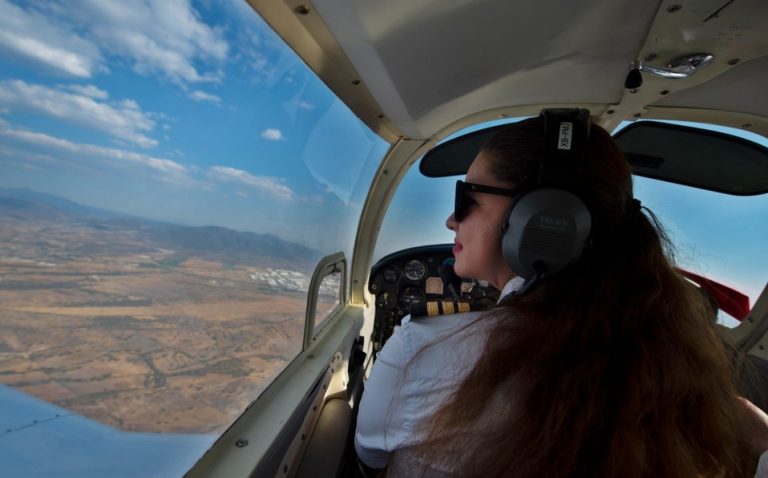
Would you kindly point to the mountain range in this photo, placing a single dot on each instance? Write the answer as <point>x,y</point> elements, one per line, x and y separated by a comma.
<point>207,242</point>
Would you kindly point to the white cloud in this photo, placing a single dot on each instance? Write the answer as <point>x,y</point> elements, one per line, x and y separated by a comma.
<point>87,90</point>
<point>123,119</point>
<point>164,169</point>
<point>262,184</point>
<point>163,37</point>
<point>159,36</point>
<point>31,36</point>
<point>252,46</point>
<point>198,95</point>
<point>272,134</point>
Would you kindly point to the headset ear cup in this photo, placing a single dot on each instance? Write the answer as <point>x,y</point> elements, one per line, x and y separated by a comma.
<point>547,229</point>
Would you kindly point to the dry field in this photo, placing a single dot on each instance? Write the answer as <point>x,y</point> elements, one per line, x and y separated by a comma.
<point>134,339</point>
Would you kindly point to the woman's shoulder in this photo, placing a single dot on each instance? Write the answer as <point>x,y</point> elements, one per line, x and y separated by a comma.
<point>432,343</point>
<point>426,330</point>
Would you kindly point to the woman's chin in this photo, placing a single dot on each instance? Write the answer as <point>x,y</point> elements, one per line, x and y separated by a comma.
<point>459,270</point>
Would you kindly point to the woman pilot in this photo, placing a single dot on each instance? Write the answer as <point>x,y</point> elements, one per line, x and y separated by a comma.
<point>599,359</point>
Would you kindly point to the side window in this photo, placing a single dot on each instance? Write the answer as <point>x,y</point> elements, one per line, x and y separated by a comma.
<point>723,243</point>
<point>162,212</point>
<point>328,298</point>
<point>327,291</point>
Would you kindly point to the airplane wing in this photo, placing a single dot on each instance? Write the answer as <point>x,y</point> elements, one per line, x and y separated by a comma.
<point>39,439</point>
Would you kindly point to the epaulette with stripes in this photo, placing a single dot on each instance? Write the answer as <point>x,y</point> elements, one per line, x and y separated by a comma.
<point>434,308</point>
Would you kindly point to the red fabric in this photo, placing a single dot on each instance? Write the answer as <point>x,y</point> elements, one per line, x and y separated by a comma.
<point>729,300</point>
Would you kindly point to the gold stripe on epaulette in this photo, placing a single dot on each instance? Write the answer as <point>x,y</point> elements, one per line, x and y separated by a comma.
<point>463,306</point>
<point>432,309</point>
<point>448,307</point>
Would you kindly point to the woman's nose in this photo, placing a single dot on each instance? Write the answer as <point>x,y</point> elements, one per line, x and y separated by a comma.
<point>450,223</point>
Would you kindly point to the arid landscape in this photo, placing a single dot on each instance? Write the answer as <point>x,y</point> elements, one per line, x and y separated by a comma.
<point>141,325</point>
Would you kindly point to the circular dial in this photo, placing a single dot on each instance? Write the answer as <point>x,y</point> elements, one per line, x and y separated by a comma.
<point>414,270</point>
<point>390,275</point>
<point>412,296</point>
<point>386,300</point>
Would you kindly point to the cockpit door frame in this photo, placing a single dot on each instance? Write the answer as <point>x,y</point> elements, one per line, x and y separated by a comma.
<point>331,264</point>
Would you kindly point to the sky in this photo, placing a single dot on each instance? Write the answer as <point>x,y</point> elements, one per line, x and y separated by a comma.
<point>197,113</point>
<point>189,112</point>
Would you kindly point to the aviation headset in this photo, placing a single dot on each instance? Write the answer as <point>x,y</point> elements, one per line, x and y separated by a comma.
<point>547,227</point>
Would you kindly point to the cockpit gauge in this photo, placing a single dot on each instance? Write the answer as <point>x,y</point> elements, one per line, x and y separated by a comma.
<point>390,275</point>
<point>414,270</point>
<point>412,296</point>
<point>386,300</point>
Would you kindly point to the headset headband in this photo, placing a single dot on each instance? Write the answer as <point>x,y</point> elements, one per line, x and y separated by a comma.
<point>547,227</point>
<point>566,134</point>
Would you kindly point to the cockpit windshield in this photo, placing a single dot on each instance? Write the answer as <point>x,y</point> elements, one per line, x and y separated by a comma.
<point>171,173</point>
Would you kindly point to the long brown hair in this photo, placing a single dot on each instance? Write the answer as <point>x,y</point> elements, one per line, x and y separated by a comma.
<point>610,368</point>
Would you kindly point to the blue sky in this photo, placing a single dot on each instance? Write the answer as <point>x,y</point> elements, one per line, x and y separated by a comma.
<point>188,112</point>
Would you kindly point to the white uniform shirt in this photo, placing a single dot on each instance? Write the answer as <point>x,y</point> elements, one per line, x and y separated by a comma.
<point>762,467</point>
<point>411,379</point>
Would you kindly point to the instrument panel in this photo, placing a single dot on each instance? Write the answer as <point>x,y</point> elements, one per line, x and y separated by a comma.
<point>406,280</point>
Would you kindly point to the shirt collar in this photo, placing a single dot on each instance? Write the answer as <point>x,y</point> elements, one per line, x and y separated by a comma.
<point>512,285</point>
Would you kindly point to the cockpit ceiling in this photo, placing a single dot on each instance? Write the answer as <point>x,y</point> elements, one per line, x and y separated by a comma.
<point>428,63</point>
<point>414,68</point>
<point>734,90</point>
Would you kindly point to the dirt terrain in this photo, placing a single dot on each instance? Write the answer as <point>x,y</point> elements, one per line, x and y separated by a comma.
<point>144,338</point>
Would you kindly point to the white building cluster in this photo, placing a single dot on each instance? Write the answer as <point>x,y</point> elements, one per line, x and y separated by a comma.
<point>283,279</point>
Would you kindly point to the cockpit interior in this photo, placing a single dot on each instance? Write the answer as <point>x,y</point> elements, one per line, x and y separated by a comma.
<point>213,215</point>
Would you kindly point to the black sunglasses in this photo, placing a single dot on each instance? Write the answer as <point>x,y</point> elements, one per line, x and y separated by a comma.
<point>462,201</point>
